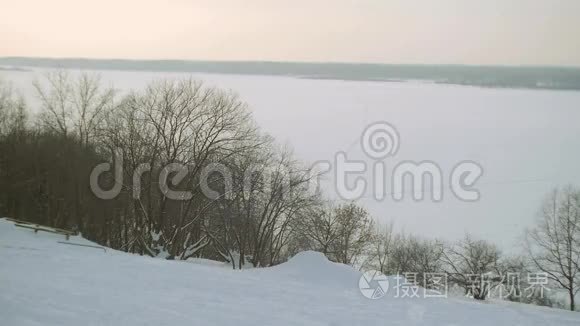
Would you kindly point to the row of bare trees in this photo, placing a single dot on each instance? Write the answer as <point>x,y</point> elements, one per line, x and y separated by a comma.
<point>551,248</point>
<point>347,234</point>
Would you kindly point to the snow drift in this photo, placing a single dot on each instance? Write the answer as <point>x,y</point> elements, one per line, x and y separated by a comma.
<point>314,268</point>
<point>46,282</point>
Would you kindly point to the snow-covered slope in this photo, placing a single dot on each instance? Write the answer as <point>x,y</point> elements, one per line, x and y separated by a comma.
<point>44,282</point>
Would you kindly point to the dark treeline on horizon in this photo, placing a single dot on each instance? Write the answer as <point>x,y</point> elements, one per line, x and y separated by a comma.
<point>532,77</point>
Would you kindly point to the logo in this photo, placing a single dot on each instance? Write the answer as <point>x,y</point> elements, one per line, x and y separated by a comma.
<point>373,285</point>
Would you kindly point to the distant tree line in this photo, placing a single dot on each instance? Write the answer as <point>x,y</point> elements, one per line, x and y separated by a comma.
<point>46,161</point>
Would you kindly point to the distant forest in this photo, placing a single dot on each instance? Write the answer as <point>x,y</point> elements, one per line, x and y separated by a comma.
<point>532,77</point>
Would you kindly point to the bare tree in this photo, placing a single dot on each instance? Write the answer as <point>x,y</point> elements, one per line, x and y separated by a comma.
<point>554,244</point>
<point>344,233</point>
<point>383,246</point>
<point>354,233</point>
<point>426,258</point>
<point>320,227</point>
<point>273,201</point>
<point>406,254</point>
<point>55,99</point>
<point>91,102</point>
<point>473,264</point>
<point>73,105</point>
<point>12,110</point>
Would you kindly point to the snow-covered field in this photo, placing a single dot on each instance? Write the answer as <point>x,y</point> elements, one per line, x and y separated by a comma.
<point>526,140</point>
<point>44,282</point>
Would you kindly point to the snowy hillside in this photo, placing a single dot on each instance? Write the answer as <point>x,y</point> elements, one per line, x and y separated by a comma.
<point>44,282</point>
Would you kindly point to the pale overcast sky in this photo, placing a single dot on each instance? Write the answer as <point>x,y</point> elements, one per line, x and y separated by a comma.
<point>509,32</point>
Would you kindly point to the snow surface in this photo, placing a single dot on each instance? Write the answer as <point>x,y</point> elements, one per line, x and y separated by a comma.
<point>43,282</point>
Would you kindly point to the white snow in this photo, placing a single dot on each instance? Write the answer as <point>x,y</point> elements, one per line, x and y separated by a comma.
<point>43,282</point>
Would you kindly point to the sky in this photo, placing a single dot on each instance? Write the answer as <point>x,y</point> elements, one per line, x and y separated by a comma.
<point>497,32</point>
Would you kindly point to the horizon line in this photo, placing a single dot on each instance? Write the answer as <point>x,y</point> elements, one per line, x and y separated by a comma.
<point>344,63</point>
